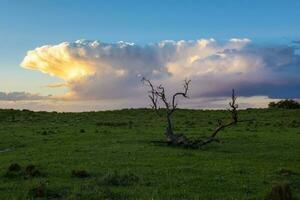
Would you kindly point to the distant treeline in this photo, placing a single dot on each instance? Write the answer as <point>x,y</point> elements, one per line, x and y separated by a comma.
<point>285,104</point>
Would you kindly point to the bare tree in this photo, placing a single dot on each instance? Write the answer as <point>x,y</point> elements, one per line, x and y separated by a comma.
<point>157,95</point>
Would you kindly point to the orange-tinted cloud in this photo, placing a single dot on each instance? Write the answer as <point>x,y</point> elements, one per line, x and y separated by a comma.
<point>94,70</point>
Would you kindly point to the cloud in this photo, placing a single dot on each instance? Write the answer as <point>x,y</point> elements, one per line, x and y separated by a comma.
<point>56,85</point>
<point>296,41</point>
<point>21,96</point>
<point>93,70</point>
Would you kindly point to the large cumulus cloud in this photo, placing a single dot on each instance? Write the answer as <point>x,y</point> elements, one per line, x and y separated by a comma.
<point>96,71</point>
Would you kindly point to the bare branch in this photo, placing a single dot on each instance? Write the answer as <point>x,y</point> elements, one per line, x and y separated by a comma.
<point>161,93</point>
<point>234,115</point>
<point>234,107</point>
<point>184,94</point>
<point>152,95</point>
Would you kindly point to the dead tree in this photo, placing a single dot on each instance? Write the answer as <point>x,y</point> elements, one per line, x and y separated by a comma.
<point>157,94</point>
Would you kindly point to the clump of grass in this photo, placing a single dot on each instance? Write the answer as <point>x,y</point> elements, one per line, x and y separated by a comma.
<point>41,191</point>
<point>31,171</point>
<point>111,195</point>
<point>82,130</point>
<point>295,124</point>
<point>15,167</point>
<point>130,124</point>
<point>112,124</point>
<point>38,191</point>
<point>286,172</point>
<point>280,192</point>
<point>80,174</point>
<point>117,179</point>
<point>48,132</point>
<point>14,170</point>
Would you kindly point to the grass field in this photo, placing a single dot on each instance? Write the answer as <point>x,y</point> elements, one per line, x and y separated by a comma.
<point>114,148</point>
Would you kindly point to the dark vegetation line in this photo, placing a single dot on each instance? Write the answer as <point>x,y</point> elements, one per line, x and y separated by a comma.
<point>285,104</point>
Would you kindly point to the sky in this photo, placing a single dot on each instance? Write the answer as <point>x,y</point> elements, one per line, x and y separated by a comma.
<point>81,55</point>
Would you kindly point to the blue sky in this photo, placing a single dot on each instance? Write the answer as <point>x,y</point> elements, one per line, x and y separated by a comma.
<point>35,22</point>
<point>25,25</point>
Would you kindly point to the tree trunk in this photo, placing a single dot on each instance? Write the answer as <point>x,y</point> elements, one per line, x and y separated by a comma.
<point>169,131</point>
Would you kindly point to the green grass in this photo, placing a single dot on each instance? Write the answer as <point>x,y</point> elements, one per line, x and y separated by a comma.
<point>114,148</point>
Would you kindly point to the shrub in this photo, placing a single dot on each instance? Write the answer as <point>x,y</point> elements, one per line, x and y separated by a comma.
<point>285,104</point>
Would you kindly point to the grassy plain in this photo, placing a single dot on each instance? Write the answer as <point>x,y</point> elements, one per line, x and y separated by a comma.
<point>114,148</point>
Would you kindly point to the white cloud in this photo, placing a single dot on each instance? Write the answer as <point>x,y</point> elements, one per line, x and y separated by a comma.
<point>93,70</point>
